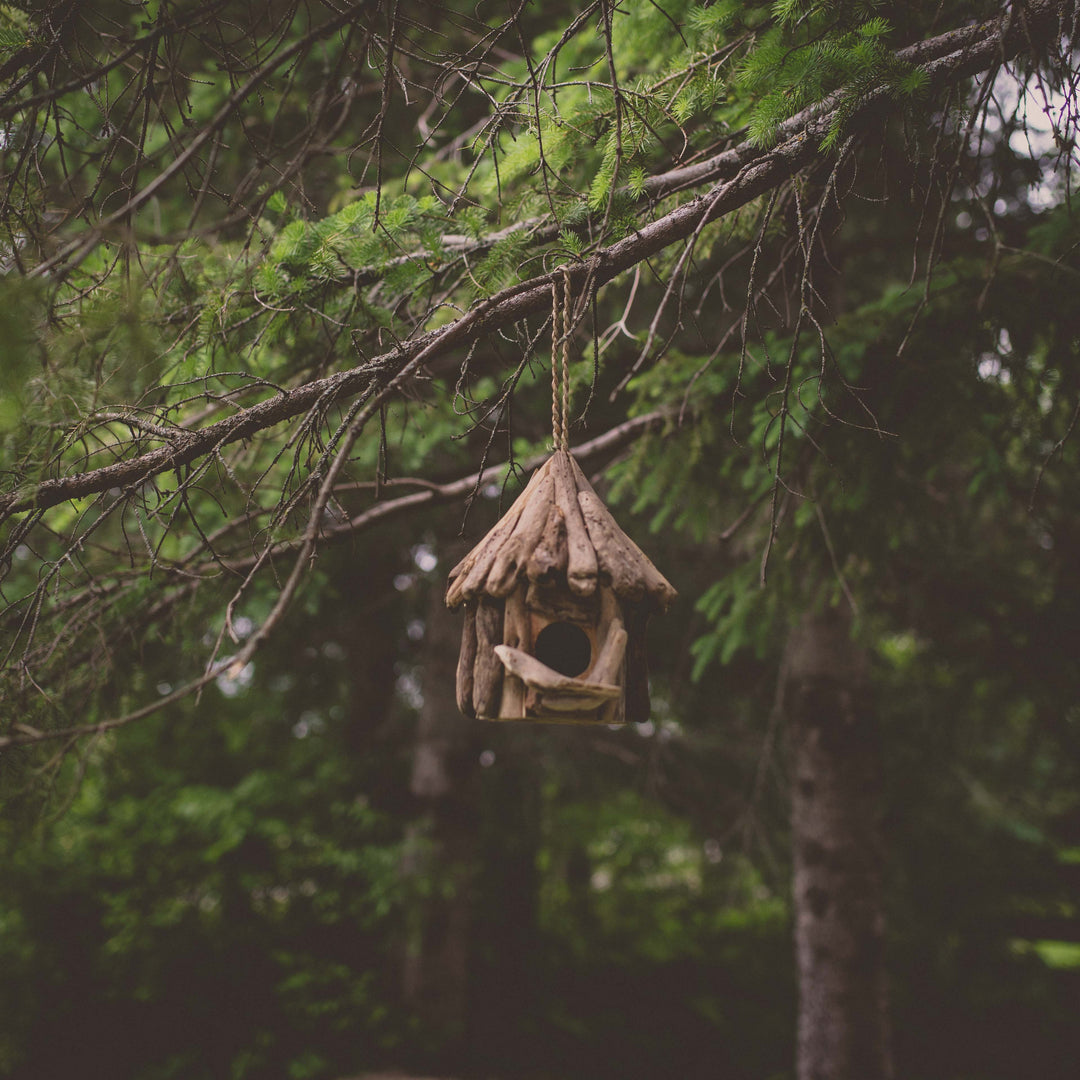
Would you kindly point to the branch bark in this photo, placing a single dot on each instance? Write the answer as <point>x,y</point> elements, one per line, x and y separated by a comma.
<point>594,450</point>
<point>756,171</point>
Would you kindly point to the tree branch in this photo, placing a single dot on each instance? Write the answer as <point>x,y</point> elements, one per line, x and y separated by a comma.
<point>603,445</point>
<point>756,171</point>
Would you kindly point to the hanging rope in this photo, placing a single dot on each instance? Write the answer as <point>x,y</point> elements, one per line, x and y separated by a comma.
<point>560,340</point>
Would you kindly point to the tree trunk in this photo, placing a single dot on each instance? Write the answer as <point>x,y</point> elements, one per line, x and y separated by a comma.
<point>442,850</point>
<point>839,918</point>
<point>471,957</point>
<point>506,950</point>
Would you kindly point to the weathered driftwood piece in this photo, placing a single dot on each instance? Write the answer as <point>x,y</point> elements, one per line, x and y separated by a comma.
<point>633,576</point>
<point>556,604</point>
<point>609,662</point>
<point>468,577</point>
<point>487,671</point>
<point>557,575</point>
<point>466,663</point>
<point>514,553</point>
<point>550,555</point>
<point>516,635</point>
<point>561,692</point>
<point>516,632</point>
<point>631,571</point>
<point>581,557</point>
<point>610,665</point>
<point>612,635</point>
<point>614,712</point>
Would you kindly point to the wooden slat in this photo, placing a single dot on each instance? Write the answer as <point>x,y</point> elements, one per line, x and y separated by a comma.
<point>611,635</point>
<point>549,557</point>
<point>515,551</point>
<point>467,578</point>
<point>581,569</point>
<point>630,569</point>
<point>466,662</point>
<point>487,669</point>
<point>632,575</point>
<point>516,634</point>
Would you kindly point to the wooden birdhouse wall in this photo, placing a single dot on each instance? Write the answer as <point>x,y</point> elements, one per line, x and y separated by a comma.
<point>585,641</point>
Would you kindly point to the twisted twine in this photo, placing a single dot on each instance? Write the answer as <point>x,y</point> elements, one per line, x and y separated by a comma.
<point>560,386</point>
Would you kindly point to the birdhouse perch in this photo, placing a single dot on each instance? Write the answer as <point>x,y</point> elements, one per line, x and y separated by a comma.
<point>557,598</point>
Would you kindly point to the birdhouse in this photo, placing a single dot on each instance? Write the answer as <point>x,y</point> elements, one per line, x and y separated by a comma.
<point>556,598</point>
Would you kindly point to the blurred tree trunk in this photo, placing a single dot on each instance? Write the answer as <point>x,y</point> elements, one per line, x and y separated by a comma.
<point>471,957</point>
<point>442,846</point>
<point>843,1029</point>
<point>507,941</point>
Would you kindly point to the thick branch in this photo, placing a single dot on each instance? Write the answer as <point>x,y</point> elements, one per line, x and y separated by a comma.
<point>757,171</point>
<point>979,45</point>
<point>451,491</point>
<point>454,490</point>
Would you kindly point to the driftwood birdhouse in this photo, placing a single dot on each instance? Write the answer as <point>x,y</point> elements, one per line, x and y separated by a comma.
<point>556,601</point>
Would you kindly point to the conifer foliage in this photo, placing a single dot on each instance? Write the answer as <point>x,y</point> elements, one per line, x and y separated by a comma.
<point>245,246</point>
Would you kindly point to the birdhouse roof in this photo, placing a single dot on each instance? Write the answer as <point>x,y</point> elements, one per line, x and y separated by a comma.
<point>558,528</point>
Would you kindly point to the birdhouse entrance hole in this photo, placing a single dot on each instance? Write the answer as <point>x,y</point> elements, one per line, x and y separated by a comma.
<point>565,648</point>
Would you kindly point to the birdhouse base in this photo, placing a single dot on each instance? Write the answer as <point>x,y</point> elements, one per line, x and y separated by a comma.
<point>578,721</point>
